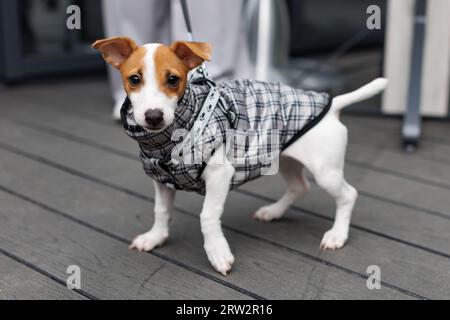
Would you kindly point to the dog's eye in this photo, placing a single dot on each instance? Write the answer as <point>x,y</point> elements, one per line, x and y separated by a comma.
<point>172,81</point>
<point>134,80</point>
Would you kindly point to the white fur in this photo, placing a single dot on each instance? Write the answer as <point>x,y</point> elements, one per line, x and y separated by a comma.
<point>164,198</point>
<point>217,176</point>
<point>365,92</point>
<point>321,151</point>
<point>150,96</point>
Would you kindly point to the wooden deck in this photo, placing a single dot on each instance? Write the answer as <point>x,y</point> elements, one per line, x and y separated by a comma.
<point>72,192</point>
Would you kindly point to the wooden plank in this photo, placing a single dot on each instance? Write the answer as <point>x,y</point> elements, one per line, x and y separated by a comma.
<point>108,269</point>
<point>395,188</point>
<point>87,97</point>
<point>19,282</point>
<point>379,134</point>
<point>133,180</point>
<point>262,267</point>
<point>432,128</point>
<point>401,164</point>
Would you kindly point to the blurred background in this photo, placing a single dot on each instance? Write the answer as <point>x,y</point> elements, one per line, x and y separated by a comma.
<point>72,190</point>
<point>306,51</point>
<point>37,28</point>
<point>320,45</point>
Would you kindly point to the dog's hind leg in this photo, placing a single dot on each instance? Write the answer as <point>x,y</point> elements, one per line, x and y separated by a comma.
<point>332,181</point>
<point>322,151</point>
<point>292,172</point>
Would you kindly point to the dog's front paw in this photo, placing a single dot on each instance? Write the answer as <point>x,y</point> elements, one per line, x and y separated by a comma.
<point>334,239</point>
<point>219,255</point>
<point>149,241</point>
<point>268,213</point>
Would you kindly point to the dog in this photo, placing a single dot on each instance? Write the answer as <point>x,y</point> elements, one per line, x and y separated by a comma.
<point>156,80</point>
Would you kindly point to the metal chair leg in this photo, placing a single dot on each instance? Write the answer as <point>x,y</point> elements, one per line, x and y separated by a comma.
<point>412,120</point>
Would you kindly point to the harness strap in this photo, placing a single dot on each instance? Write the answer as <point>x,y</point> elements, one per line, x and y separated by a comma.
<point>207,110</point>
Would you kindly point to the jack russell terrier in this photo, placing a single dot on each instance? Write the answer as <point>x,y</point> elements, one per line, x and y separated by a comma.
<point>292,128</point>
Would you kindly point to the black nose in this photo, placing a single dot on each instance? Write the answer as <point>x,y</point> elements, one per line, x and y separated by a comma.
<point>154,117</point>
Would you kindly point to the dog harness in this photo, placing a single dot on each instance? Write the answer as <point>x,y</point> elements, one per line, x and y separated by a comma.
<point>254,121</point>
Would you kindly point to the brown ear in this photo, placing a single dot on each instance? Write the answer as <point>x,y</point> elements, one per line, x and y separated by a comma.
<point>115,50</point>
<point>192,54</point>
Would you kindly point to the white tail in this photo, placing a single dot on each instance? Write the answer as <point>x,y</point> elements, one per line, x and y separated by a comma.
<point>368,91</point>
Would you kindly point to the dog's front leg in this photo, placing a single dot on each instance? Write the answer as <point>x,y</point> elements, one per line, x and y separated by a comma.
<point>217,176</point>
<point>164,198</point>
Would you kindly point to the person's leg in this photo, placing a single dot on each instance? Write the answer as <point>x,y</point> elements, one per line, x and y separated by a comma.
<point>143,21</point>
<point>111,13</point>
<point>219,23</point>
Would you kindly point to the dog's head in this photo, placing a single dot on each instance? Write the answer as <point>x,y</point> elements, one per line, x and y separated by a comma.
<point>154,75</point>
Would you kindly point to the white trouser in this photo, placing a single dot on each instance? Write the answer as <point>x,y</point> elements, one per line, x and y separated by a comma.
<point>214,21</point>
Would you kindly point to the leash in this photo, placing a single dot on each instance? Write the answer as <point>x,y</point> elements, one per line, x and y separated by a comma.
<point>213,100</point>
<point>190,34</point>
<point>187,19</point>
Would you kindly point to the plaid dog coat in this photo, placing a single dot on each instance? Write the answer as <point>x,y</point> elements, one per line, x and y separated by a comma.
<point>254,120</point>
